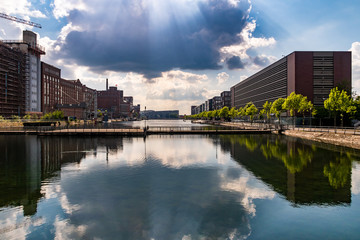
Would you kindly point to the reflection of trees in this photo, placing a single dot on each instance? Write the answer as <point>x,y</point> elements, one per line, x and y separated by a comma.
<point>294,156</point>
<point>339,171</point>
<point>307,173</point>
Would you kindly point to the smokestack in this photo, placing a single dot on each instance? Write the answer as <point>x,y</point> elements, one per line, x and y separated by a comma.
<point>107,84</point>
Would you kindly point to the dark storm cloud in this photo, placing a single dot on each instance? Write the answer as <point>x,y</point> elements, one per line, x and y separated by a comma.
<point>234,63</point>
<point>261,61</point>
<point>121,36</point>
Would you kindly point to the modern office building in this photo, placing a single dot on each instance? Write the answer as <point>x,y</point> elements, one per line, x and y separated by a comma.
<point>12,81</point>
<point>226,99</point>
<point>312,74</point>
<point>193,110</point>
<point>215,103</point>
<point>209,105</point>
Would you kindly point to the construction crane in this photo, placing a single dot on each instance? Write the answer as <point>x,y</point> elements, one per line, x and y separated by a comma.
<point>15,19</point>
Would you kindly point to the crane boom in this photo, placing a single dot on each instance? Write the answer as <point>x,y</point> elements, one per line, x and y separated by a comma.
<point>11,18</point>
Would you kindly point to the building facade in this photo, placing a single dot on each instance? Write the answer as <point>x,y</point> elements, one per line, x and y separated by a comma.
<point>73,94</point>
<point>217,103</point>
<point>111,100</point>
<point>225,99</point>
<point>312,74</point>
<point>50,86</point>
<point>32,52</point>
<point>12,81</point>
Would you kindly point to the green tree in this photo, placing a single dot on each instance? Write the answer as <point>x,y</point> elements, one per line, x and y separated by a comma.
<point>251,110</point>
<point>233,113</point>
<point>208,115</point>
<point>357,105</point>
<point>56,115</point>
<point>338,171</point>
<point>216,113</point>
<point>224,112</point>
<point>292,104</point>
<point>99,113</point>
<point>27,116</point>
<point>267,108</point>
<point>15,117</point>
<point>339,102</point>
<point>241,112</point>
<point>305,106</point>
<point>262,113</point>
<point>277,107</point>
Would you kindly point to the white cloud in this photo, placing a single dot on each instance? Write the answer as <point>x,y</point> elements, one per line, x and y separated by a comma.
<point>62,8</point>
<point>177,75</point>
<point>355,49</point>
<point>249,191</point>
<point>222,77</point>
<point>243,77</point>
<point>65,230</point>
<point>355,179</point>
<point>249,42</point>
<point>20,7</point>
<point>10,30</point>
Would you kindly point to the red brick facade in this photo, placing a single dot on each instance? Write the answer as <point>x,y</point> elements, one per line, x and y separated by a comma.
<point>58,91</point>
<point>111,100</point>
<point>50,87</point>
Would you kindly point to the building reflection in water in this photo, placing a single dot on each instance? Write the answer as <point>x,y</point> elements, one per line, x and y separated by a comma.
<point>178,186</point>
<point>27,161</point>
<point>303,172</point>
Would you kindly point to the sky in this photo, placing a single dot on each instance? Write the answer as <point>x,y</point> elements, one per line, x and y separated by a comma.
<point>171,54</point>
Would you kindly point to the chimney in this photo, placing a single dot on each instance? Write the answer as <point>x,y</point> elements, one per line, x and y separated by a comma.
<point>107,84</point>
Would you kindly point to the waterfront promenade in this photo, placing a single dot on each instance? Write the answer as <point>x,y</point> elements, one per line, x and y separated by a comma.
<point>125,131</point>
<point>348,137</point>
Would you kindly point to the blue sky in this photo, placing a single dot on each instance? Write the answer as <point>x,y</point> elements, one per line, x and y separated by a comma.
<point>171,54</point>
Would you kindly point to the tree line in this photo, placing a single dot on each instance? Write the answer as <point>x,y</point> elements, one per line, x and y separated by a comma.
<point>338,104</point>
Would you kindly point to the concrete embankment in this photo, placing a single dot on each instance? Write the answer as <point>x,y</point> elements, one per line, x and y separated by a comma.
<point>340,139</point>
<point>346,140</point>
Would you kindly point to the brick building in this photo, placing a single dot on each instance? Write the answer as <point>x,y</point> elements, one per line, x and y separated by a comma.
<point>73,94</point>
<point>312,74</point>
<point>50,85</point>
<point>110,100</point>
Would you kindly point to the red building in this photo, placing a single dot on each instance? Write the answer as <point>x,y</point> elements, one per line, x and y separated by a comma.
<point>73,94</point>
<point>50,87</point>
<point>110,100</point>
<point>312,74</point>
<point>70,96</point>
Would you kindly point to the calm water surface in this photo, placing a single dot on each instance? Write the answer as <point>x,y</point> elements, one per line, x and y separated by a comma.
<point>177,187</point>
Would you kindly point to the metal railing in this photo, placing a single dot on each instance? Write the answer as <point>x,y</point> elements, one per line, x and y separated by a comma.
<point>229,126</point>
<point>337,130</point>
